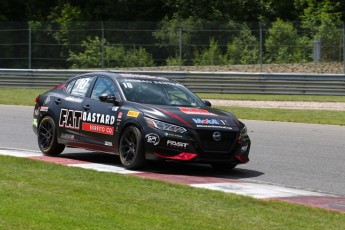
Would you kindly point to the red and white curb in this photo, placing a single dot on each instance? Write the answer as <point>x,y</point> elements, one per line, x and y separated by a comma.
<point>238,186</point>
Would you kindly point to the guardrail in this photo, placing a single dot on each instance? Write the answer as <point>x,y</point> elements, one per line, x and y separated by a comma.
<point>200,82</point>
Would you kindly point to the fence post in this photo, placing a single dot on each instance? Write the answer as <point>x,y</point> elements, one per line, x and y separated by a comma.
<point>260,25</point>
<point>180,49</point>
<point>344,46</point>
<point>102,44</point>
<point>29,46</point>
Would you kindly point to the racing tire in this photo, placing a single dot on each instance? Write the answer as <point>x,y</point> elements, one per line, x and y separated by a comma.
<point>223,167</point>
<point>47,138</point>
<point>131,148</point>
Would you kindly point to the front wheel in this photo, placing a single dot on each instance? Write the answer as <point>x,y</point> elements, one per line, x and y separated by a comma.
<point>131,148</point>
<point>47,138</point>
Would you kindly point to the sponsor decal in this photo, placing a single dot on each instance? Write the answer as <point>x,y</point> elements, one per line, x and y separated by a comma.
<point>177,144</point>
<point>96,128</point>
<point>119,116</point>
<point>67,136</point>
<point>172,135</point>
<point>195,111</point>
<point>214,127</point>
<point>34,122</point>
<point>152,138</point>
<point>37,111</point>
<point>115,108</point>
<point>74,99</point>
<point>98,118</point>
<point>210,121</point>
<point>70,119</point>
<point>43,109</point>
<point>133,114</point>
<point>108,143</point>
<point>206,121</point>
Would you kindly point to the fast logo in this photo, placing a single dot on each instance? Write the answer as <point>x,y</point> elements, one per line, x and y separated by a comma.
<point>70,119</point>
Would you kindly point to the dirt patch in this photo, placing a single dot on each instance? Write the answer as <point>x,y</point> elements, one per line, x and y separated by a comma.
<point>339,106</point>
<point>321,68</point>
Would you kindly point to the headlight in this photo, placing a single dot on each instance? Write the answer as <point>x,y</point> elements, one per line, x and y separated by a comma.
<point>164,126</point>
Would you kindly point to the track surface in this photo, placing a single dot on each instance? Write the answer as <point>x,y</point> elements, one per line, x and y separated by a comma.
<point>302,156</point>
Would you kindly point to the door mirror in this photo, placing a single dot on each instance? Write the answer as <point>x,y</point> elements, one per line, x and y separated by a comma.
<point>107,98</point>
<point>207,103</point>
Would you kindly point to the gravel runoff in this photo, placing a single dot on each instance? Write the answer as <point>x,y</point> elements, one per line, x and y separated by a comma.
<point>340,106</point>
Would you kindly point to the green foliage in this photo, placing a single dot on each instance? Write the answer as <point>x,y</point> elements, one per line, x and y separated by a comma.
<point>244,48</point>
<point>175,31</point>
<point>173,61</point>
<point>210,56</point>
<point>115,55</point>
<point>91,57</point>
<point>324,23</point>
<point>285,45</point>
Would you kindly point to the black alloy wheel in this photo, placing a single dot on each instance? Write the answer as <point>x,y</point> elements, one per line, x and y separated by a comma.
<point>47,139</point>
<point>131,148</point>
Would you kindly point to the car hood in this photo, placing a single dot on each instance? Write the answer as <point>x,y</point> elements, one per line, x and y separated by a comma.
<point>192,117</point>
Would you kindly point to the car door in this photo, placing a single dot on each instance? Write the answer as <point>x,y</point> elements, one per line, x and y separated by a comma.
<point>98,118</point>
<point>69,105</point>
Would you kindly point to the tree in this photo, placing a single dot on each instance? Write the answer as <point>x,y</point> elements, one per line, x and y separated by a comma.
<point>210,56</point>
<point>172,32</point>
<point>285,45</point>
<point>324,22</point>
<point>244,48</point>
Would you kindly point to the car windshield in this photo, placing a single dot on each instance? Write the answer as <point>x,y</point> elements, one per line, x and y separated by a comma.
<point>159,92</point>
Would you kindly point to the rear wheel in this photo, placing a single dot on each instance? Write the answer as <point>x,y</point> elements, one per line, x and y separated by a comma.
<point>131,148</point>
<point>47,138</point>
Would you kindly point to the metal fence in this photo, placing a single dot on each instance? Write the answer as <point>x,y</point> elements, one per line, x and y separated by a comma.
<point>201,82</point>
<point>255,47</point>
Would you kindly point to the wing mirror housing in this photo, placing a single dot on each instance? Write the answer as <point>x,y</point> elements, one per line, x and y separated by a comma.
<point>107,98</point>
<point>207,103</point>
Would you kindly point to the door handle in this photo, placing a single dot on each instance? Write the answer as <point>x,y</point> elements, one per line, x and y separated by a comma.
<point>86,107</point>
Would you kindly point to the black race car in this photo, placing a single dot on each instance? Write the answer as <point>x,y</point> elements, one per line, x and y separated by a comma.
<point>139,118</point>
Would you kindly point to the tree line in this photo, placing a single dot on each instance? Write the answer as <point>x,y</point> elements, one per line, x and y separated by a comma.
<point>285,30</point>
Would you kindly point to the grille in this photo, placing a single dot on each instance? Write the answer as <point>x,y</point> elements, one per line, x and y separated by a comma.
<point>208,144</point>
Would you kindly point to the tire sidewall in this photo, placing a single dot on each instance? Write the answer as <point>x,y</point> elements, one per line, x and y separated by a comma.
<point>139,156</point>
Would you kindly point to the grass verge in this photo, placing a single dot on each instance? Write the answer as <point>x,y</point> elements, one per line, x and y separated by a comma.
<point>39,195</point>
<point>27,97</point>
<point>16,96</point>
<point>288,115</point>
<point>268,97</point>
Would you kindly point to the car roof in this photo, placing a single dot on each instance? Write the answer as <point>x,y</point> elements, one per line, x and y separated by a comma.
<point>117,75</point>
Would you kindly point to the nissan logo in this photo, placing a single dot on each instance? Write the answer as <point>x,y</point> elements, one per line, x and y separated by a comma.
<point>217,136</point>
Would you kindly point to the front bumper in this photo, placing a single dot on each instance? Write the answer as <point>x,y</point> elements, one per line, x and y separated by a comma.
<point>197,146</point>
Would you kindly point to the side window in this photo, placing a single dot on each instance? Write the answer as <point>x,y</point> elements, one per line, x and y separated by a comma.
<point>81,86</point>
<point>69,87</point>
<point>103,85</point>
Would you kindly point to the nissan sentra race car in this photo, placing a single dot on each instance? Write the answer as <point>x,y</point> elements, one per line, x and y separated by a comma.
<point>139,118</point>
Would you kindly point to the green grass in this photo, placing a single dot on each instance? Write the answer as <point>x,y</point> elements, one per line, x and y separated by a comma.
<point>16,96</point>
<point>27,97</point>
<point>267,97</point>
<point>39,195</point>
<point>288,115</point>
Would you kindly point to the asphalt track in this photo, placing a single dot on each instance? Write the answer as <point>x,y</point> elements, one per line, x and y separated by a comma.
<point>292,155</point>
